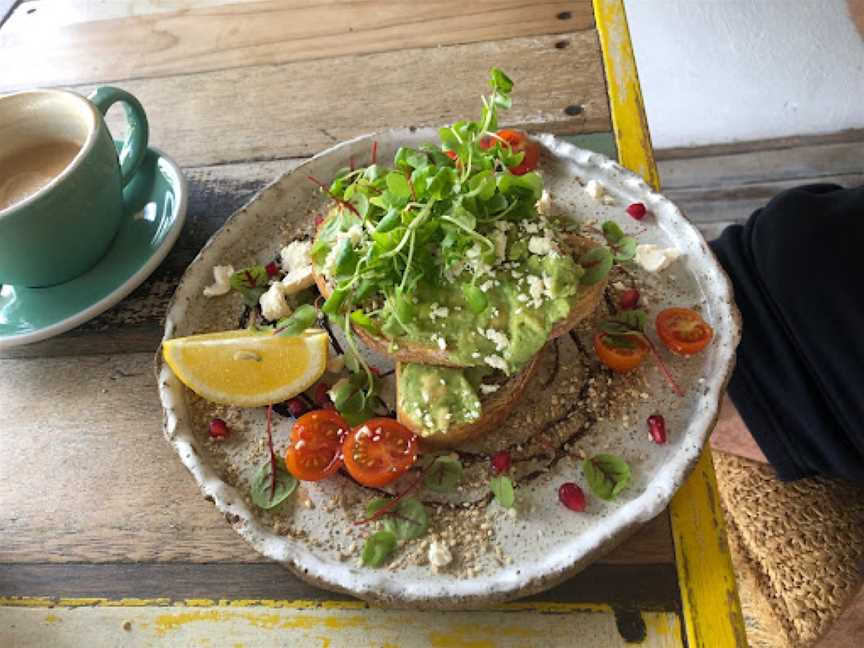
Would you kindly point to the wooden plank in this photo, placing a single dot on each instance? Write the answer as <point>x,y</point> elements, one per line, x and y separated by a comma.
<point>704,206</point>
<point>749,167</point>
<point>652,586</point>
<point>96,482</point>
<point>712,611</point>
<point>753,146</point>
<point>43,14</point>
<point>271,32</point>
<point>224,116</point>
<point>256,624</point>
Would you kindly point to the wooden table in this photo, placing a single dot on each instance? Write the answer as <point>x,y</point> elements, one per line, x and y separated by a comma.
<point>104,538</point>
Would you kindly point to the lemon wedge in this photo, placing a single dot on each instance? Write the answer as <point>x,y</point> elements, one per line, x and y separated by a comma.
<point>246,368</point>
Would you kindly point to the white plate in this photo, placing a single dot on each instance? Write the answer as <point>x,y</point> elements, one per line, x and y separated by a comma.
<point>545,543</point>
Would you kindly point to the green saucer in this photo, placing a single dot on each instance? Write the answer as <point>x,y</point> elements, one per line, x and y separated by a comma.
<point>155,210</point>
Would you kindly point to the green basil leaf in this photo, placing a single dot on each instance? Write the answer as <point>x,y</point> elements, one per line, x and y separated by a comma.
<point>362,320</point>
<point>378,548</point>
<point>613,232</point>
<point>613,327</point>
<point>607,475</point>
<point>376,505</point>
<point>635,319</point>
<point>261,485</point>
<point>251,283</point>
<point>502,489</point>
<point>300,320</point>
<point>625,249</point>
<point>397,184</point>
<point>444,474</point>
<point>597,263</point>
<point>408,520</point>
<point>500,81</point>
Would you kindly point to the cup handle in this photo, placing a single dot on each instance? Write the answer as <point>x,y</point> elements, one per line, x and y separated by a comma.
<point>135,145</point>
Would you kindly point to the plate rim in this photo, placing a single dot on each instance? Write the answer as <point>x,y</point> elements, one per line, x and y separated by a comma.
<point>650,503</point>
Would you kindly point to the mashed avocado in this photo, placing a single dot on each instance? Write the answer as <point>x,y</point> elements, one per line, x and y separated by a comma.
<point>437,398</point>
<point>529,281</point>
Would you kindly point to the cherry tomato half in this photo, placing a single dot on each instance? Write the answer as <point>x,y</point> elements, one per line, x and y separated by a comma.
<point>683,330</point>
<point>614,354</point>
<point>520,143</point>
<point>316,445</point>
<point>378,451</point>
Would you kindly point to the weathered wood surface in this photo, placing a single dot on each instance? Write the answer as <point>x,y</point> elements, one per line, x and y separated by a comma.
<point>272,32</point>
<point>225,116</point>
<point>94,480</point>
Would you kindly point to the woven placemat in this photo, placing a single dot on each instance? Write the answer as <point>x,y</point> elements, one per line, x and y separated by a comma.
<point>798,550</point>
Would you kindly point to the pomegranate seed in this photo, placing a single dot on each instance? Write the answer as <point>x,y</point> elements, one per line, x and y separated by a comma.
<point>297,407</point>
<point>218,429</point>
<point>657,429</point>
<point>572,497</point>
<point>501,462</point>
<point>272,269</point>
<point>629,299</point>
<point>637,211</point>
<point>318,220</point>
<point>321,397</point>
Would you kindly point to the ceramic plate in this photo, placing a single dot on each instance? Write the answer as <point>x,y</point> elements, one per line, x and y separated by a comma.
<point>155,206</point>
<point>572,409</point>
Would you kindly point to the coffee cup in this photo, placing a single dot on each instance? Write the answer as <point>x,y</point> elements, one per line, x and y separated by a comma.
<point>61,181</point>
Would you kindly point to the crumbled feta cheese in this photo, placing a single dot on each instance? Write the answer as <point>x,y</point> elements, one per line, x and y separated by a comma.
<point>486,286</point>
<point>475,355</point>
<point>295,255</point>
<point>274,306</point>
<point>439,554</point>
<point>221,281</point>
<point>474,251</point>
<point>436,311</point>
<point>442,343</point>
<point>540,245</point>
<point>496,362</point>
<point>594,189</point>
<point>498,338</point>
<point>653,258</point>
<point>544,205</point>
<point>536,290</point>
<point>530,227</point>
<point>489,389</point>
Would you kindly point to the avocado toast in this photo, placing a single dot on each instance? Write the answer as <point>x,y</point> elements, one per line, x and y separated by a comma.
<point>445,263</point>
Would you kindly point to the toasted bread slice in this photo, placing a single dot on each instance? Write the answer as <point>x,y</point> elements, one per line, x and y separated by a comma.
<point>588,300</point>
<point>495,409</point>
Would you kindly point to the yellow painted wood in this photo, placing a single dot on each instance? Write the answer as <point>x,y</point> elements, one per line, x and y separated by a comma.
<point>132,623</point>
<point>625,95</point>
<point>712,611</point>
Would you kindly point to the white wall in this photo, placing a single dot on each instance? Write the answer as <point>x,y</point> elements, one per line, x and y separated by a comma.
<point>716,71</point>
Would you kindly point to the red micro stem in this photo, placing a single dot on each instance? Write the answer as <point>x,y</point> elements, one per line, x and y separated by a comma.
<point>344,203</point>
<point>351,162</point>
<point>411,185</point>
<point>664,368</point>
<point>393,502</point>
<point>272,454</point>
<point>374,151</point>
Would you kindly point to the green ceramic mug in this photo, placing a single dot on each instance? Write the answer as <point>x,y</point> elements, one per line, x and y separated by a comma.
<point>61,181</point>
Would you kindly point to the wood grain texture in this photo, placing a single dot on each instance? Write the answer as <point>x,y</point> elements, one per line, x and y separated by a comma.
<point>96,482</point>
<point>653,586</point>
<point>270,33</point>
<point>36,15</point>
<point>298,109</point>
